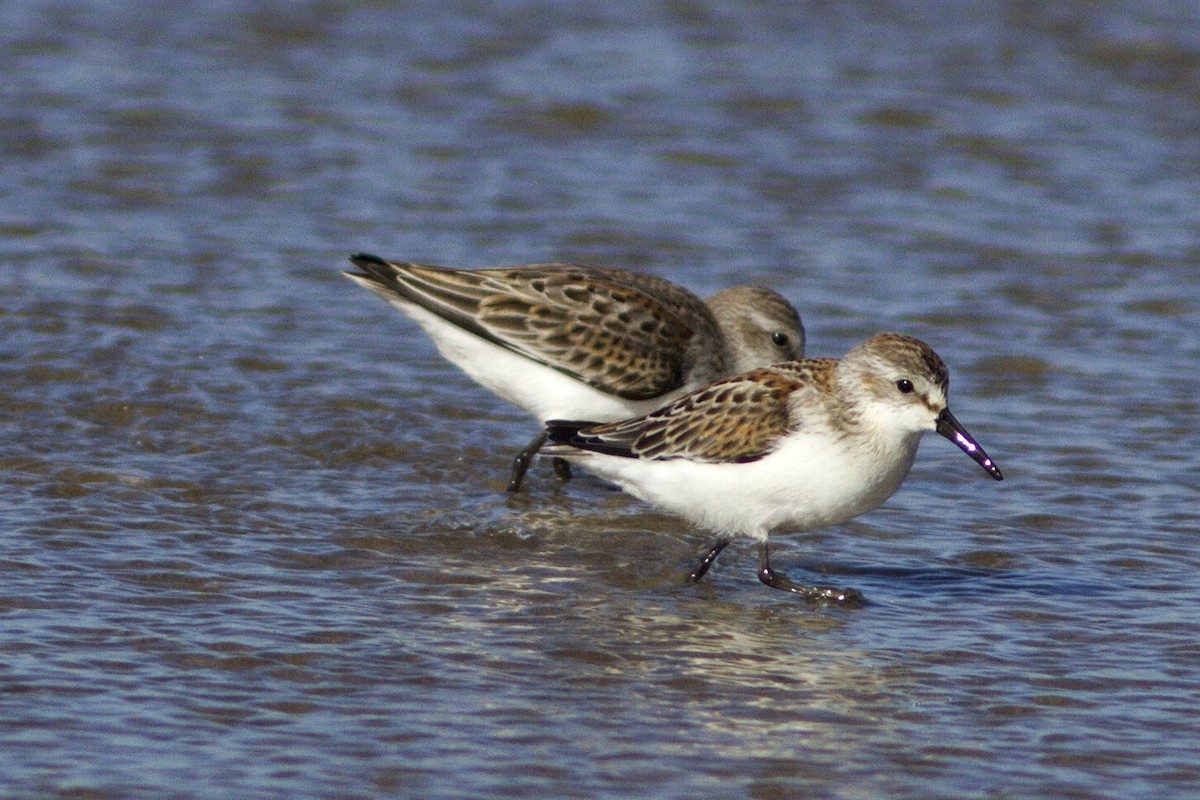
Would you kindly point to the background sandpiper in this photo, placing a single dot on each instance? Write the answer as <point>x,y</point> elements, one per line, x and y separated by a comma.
<point>564,341</point>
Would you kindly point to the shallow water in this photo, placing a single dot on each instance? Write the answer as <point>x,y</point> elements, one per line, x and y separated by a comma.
<point>255,542</point>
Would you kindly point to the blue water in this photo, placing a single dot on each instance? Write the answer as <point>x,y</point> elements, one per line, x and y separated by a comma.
<point>254,541</point>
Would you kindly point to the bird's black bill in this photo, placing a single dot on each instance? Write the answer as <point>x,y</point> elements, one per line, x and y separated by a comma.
<point>949,427</point>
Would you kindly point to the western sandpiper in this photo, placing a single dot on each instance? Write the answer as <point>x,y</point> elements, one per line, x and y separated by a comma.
<point>568,341</point>
<point>790,447</point>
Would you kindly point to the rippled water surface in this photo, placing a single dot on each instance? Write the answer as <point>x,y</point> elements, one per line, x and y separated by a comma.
<point>254,541</point>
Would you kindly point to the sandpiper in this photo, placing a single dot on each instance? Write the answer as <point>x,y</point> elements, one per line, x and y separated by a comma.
<point>789,447</point>
<point>577,342</point>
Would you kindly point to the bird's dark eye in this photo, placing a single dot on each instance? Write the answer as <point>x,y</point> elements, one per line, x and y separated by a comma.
<point>779,338</point>
<point>904,385</point>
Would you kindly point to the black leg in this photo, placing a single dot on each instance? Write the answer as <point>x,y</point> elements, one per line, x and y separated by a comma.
<point>824,593</point>
<point>562,469</point>
<point>708,560</point>
<point>522,461</point>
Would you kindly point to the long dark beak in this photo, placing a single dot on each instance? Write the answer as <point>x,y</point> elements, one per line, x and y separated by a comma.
<point>949,427</point>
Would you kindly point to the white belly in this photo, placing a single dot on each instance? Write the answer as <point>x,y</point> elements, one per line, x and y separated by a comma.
<point>808,483</point>
<point>544,392</point>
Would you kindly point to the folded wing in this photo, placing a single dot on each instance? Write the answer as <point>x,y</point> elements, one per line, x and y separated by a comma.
<point>732,421</point>
<point>624,333</point>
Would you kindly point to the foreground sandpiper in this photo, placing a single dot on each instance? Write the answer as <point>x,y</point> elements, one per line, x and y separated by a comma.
<point>575,342</point>
<point>790,447</point>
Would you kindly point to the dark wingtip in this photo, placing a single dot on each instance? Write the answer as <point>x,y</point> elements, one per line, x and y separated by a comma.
<point>374,269</point>
<point>582,436</point>
<point>565,431</point>
<point>359,259</point>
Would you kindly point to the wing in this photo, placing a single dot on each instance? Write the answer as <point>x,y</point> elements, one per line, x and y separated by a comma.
<point>732,421</point>
<point>624,333</point>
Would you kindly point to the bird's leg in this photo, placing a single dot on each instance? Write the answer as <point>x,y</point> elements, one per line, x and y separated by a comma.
<point>524,458</point>
<point>521,462</point>
<point>562,468</point>
<point>708,560</point>
<point>824,593</point>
